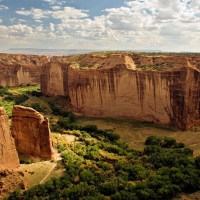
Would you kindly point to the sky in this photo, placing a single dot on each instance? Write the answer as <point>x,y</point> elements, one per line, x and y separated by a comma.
<point>167,25</point>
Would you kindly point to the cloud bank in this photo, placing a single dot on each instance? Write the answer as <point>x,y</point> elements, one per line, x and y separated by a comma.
<point>172,25</point>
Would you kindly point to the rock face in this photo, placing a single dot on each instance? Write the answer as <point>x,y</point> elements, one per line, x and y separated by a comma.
<point>31,132</point>
<point>8,155</point>
<point>18,69</point>
<point>169,95</point>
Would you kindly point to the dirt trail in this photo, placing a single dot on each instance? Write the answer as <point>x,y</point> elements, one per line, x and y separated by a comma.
<point>52,168</point>
<point>46,105</point>
<point>57,158</point>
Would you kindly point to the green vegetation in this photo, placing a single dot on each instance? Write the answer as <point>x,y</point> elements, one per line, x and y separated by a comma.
<point>169,53</point>
<point>135,133</point>
<point>156,67</point>
<point>101,166</point>
<point>11,96</point>
<point>37,107</point>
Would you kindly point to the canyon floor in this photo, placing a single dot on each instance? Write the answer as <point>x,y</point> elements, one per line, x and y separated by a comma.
<point>135,133</point>
<point>131,131</point>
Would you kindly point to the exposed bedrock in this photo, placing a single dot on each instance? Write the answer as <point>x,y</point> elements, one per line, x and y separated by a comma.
<point>31,132</point>
<point>8,155</point>
<point>170,96</point>
<point>18,69</point>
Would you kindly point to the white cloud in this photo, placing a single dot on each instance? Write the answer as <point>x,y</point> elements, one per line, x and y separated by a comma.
<point>35,13</point>
<point>51,27</point>
<point>146,24</point>
<point>0,20</point>
<point>195,3</point>
<point>2,7</point>
<point>55,2</point>
<point>22,20</point>
<point>51,1</point>
<point>39,28</point>
<point>64,14</point>
<point>18,30</point>
<point>56,7</point>
<point>171,30</point>
<point>37,20</point>
<point>69,13</point>
<point>12,20</point>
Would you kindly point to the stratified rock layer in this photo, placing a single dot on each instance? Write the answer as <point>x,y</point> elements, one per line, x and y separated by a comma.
<point>18,69</point>
<point>8,155</point>
<point>168,96</point>
<point>31,132</point>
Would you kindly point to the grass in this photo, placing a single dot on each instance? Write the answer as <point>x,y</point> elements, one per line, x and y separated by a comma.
<point>35,172</point>
<point>135,133</point>
<point>15,91</point>
<point>7,105</point>
<point>110,156</point>
<point>23,89</point>
<point>32,100</point>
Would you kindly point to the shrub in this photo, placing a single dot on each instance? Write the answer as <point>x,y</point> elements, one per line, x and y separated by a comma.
<point>90,128</point>
<point>188,151</point>
<point>153,140</point>
<point>36,106</point>
<point>108,188</point>
<point>169,142</point>
<point>20,99</point>
<point>64,122</point>
<point>9,98</point>
<point>150,149</point>
<point>180,145</point>
<point>36,93</point>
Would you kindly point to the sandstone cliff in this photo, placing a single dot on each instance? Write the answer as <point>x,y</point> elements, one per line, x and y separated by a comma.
<point>31,132</point>
<point>132,88</point>
<point>18,70</point>
<point>8,155</point>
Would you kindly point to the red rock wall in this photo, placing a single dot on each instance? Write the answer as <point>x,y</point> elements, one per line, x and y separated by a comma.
<point>8,155</point>
<point>31,132</point>
<point>18,70</point>
<point>16,75</point>
<point>163,97</point>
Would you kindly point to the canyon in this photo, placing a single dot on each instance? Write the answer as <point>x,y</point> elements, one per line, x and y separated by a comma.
<point>163,89</point>
<point>160,88</point>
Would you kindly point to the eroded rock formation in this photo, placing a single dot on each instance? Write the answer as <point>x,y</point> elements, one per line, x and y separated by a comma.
<point>132,88</point>
<point>8,155</point>
<point>18,69</point>
<point>31,132</point>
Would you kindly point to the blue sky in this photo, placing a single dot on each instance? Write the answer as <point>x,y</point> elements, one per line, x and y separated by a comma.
<point>172,25</point>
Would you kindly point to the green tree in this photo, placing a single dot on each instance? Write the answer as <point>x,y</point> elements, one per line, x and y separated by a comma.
<point>153,140</point>
<point>87,176</point>
<point>108,188</point>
